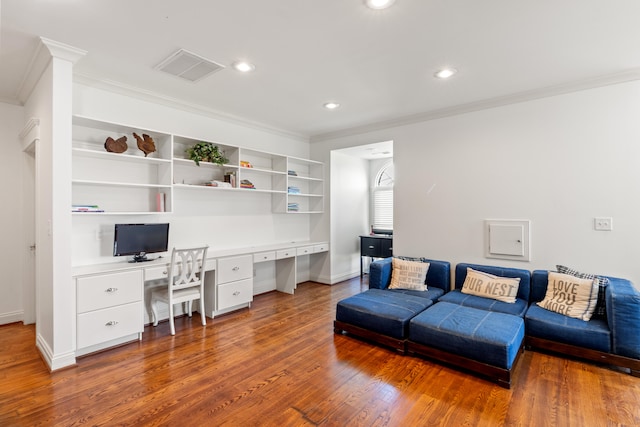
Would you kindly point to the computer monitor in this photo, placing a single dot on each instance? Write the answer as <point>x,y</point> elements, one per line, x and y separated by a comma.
<point>140,239</point>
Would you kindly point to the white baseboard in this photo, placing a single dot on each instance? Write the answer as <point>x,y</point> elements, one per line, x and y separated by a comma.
<point>332,280</point>
<point>11,317</point>
<point>54,362</point>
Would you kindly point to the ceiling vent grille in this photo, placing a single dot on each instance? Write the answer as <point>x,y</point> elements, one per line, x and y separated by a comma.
<point>188,66</point>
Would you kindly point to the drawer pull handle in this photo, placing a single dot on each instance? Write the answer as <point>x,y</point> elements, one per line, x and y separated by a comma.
<point>164,273</point>
<point>371,247</point>
<point>111,290</point>
<point>265,257</point>
<point>111,323</point>
<point>236,268</point>
<point>236,293</point>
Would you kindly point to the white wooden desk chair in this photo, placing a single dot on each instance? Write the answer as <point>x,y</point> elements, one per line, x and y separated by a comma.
<point>185,283</point>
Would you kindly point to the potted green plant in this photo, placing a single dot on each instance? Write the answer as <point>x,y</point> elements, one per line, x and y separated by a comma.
<point>206,152</point>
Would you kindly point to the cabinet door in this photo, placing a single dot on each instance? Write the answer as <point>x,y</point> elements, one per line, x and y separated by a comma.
<point>235,268</point>
<point>108,290</point>
<point>386,248</point>
<point>236,293</point>
<point>108,324</point>
<point>369,246</point>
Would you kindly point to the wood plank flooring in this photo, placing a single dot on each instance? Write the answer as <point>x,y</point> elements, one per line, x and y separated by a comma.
<point>280,364</point>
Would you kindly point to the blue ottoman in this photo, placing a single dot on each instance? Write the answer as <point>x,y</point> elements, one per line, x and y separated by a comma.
<point>481,341</point>
<point>379,315</point>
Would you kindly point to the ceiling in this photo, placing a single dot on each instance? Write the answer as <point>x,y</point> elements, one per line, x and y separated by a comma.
<point>378,64</point>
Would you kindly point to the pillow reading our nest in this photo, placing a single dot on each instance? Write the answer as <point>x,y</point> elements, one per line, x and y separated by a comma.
<point>487,285</point>
<point>601,306</point>
<point>408,275</point>
<point>570,295</point>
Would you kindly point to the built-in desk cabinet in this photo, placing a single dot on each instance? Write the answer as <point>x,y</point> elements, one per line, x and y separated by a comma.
<point>109,308</point>
<point>234,286</point>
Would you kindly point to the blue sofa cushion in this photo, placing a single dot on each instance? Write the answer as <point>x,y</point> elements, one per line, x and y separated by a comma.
<point>486,336</point>
<point>432,293</point>
<point>594,334</point>
<point>524,275</point>
<point>382,311</point>
<point>438,275</point>
<point>519,308</point>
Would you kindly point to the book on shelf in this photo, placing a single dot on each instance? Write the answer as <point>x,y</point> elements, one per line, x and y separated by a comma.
<point>292,173</point>
<point>160,202</point>
<point>293,190</point>
<point>245,183</point>
<point>86,208</point>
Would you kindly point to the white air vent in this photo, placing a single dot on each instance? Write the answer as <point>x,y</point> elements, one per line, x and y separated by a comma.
<point>188,66</point>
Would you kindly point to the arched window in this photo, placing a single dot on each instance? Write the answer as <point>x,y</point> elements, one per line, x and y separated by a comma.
<point>382,198</point>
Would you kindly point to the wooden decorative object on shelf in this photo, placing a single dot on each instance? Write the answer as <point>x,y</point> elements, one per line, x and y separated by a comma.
<point>116,145</point>
<point>145,144</point>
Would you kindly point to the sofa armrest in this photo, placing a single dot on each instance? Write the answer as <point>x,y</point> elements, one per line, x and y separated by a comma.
<point>380,273</point>
<point>623,316</point>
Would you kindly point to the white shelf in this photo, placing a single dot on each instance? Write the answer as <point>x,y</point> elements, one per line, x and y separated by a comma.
<point>118,184</point>
<point>128,183</point>
<point>121,157</point>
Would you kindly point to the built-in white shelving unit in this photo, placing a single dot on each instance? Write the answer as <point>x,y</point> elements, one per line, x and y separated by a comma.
<point>130,183</point>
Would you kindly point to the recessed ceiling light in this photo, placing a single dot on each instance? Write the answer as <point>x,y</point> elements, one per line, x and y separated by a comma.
<point>445,73</point>
<point>331,105</point>
<point>379,4</point>
<point>243,66</point>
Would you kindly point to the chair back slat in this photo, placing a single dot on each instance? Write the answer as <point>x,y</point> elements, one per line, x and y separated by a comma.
<point>187,268</point>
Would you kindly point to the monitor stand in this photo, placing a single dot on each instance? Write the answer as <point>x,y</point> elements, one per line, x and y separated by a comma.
<point>141,257</point>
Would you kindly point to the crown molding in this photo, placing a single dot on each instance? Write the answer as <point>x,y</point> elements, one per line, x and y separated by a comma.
<point>45,51</point>
<point>145,95</point>
<point>546,92</point>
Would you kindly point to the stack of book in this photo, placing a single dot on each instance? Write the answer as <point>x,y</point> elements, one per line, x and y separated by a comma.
<point>86,208</point>
<point>293,190</point>
<point>245,183</point>
<point>292,173</point>
<point>293,207</point>
<point>245,164</point>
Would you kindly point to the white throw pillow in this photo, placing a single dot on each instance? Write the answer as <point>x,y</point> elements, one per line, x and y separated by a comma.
<point>571,296</point>
<point>408,275</point>
<point>487,285</point>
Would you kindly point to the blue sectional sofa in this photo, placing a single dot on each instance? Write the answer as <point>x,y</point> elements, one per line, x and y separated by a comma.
<point>613,339</point>
<point>484,335</point>
<point>382,315</point>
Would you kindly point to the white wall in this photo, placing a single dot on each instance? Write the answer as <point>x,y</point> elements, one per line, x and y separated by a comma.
<point>558,161</point>
<point>221,220</point>
<point>350,204</point>
<point>11,120</point>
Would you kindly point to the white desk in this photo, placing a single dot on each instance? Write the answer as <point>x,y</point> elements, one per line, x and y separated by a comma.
<point>110,297</point>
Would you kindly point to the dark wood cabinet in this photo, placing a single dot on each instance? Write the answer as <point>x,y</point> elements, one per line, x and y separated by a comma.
<point>375,247</point>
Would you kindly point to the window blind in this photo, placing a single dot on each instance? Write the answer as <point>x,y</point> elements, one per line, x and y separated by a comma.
<point>383,207</point>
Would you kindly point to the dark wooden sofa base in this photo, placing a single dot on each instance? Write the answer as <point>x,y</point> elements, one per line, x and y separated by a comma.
<point>499,375</point>
<point>397,344</point>
<point>633,365</point>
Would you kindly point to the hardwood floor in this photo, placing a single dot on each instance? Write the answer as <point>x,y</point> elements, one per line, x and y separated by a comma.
<point>280,364</point>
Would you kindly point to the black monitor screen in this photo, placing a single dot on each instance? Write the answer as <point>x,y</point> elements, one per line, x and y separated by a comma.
<point>140,239</point>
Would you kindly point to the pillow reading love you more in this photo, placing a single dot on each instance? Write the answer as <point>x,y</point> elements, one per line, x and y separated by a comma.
<point>487,285</point>
<point>408,275</point>
<point>571,296</point>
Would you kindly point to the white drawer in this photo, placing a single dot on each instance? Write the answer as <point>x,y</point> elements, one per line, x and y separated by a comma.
<point>110,323</point>
<point>235,268</point>
<point>108,290</point>
<point>285,253</point>
<point>305,250</point>
<point>236,293</point>
<point>264,256</point>
<point>321,248</point>
<point>155,273</point>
